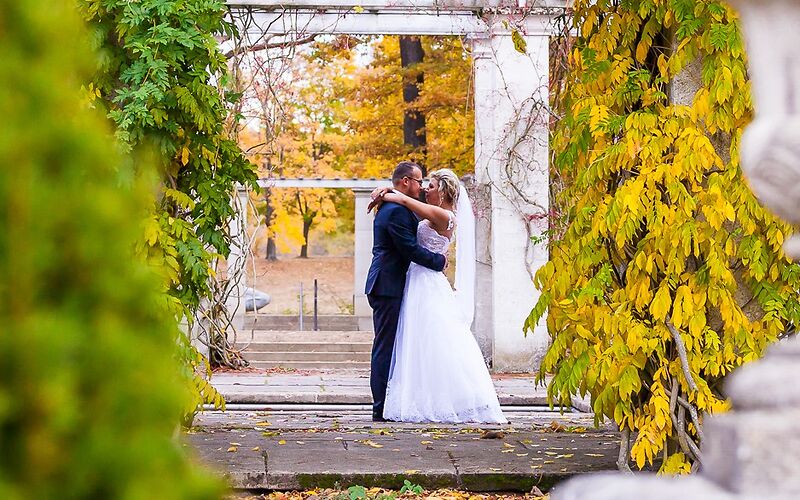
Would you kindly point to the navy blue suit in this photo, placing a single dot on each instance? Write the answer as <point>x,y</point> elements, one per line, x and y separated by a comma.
<point>394,248</point>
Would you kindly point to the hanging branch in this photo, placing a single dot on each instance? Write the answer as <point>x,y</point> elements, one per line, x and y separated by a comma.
<point>681,348</point>
<point>623,459</point>
<point>266,45</point>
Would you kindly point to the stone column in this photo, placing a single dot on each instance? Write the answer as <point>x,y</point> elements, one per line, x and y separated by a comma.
<point>238,257</point>
<point>483,325</point>
<point>511,168</point>
<point>362,258</point>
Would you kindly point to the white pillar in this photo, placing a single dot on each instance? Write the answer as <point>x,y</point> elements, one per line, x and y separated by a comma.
<point>362,258</point>
<point>511,165</point>
<point>238,257</point>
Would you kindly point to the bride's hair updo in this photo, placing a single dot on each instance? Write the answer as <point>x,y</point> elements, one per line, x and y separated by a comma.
<point>448,184</point>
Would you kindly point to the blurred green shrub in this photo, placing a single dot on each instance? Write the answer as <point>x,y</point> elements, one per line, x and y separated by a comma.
<point>90,396</point>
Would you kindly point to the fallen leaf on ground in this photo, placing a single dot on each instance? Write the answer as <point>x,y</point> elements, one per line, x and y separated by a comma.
<point>282,441</point>
<point>508,445</point>
<point>369,442</point>
<point>380,432</point>
<point>232,449</point>
<point>255,448</point>
<point>493,435</point>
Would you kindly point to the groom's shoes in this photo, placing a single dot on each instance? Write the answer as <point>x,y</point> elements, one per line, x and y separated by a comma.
<point>378,418</point>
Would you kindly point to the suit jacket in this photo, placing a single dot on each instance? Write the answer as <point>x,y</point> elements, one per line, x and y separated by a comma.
<point>394,248</point>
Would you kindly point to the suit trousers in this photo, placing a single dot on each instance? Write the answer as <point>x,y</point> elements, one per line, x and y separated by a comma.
<point>385,315</point>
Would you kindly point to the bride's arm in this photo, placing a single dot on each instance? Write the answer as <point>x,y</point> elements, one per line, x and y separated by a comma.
<point>437,215</point>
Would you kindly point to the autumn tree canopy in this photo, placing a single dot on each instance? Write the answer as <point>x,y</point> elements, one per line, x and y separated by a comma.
<point>337,110</point>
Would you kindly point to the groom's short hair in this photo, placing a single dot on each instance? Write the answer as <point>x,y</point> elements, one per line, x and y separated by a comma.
<point>404,169</point>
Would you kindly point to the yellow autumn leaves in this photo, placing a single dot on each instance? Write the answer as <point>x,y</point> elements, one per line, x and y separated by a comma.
<point>661,230</point>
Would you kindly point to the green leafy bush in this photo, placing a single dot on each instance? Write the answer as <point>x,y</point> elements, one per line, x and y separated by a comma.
<point>156,79</point>
<point>90,396</point>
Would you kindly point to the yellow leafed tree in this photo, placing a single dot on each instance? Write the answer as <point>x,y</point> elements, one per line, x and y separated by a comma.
<point>669,274</point>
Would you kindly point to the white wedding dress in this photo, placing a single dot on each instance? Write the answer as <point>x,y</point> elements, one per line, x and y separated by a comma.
<point>437,373</point>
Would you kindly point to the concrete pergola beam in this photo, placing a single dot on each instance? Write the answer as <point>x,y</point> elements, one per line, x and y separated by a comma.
<point>320,182</point>
<point>416,5</point>
<point>404,17</point>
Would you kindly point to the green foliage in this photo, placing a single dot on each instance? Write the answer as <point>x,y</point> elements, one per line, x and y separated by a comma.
<point>409,487</point>
<point>89,395</point>
<point>356,492</point>
<point>158,60</point>
<point>666,247</point>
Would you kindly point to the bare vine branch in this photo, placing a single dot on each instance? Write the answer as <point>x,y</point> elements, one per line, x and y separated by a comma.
<point>681,348</point>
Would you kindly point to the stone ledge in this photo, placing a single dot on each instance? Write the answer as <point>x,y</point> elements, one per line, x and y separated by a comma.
<point>638,487</point>
<point>455,458</point>
<point>754,452</point>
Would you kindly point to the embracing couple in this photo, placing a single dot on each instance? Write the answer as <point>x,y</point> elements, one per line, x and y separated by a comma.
<point>426,365</point>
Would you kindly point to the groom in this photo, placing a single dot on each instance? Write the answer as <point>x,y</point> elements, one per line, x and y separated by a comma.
<point>394,248</point>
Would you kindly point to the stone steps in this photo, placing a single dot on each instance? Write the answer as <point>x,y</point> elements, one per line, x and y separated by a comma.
<point>293,336</point>
<point>338,322</point>
<point>295,356</point>
<point>307,347</point>
<point>310,365</point>
<point>303,350</point>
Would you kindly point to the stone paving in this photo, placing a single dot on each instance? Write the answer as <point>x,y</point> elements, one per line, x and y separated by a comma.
<point>289,450</point>
<point>287,430</point>
<point>348,387</point>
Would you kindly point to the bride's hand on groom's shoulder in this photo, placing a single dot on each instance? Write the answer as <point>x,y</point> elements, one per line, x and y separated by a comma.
<point>377,198</point>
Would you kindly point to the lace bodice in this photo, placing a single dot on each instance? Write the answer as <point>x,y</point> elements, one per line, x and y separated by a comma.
<point>428,238</point>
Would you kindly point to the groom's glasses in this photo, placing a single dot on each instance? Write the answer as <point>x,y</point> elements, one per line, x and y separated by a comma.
<point>420,181</point>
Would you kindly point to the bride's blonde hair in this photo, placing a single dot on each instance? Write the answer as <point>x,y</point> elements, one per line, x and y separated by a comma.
<point>448,184</point>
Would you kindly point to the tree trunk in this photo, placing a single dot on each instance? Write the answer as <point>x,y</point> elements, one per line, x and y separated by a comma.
<point>307,221</point>
<point>269,215</point>
<point>272,251</point>
<point>411,54</point>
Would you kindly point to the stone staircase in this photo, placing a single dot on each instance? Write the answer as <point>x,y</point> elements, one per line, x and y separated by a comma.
<point>281,322</point>
<point>306,350</point>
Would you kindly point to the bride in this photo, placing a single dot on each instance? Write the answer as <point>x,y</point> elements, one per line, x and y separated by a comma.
<point>437,372</point>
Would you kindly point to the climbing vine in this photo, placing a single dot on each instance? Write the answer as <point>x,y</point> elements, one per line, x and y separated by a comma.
<point>669,274</point>
<point>161,78</point>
